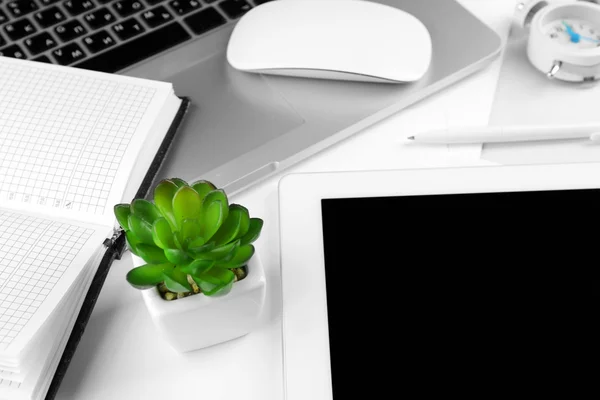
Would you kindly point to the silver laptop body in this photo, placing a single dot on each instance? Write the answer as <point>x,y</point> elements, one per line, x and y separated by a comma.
<point>242,128</point>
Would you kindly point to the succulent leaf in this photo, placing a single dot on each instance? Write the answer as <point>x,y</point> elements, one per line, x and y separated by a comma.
<point>190,230</point>
<point>179,182</point>
<point>214,211</point>
<point>222,253</point>
<point>235,225</point>
<point>186,204</point>
<point>176,256</point>
<point>239,259</point>
<point>145,210</point>
<point>178,243</point>
<point>197,266</point>
<point>162,234</point>
<point>151,254</point>
<point>163,199</point>
<point>199,241</point>
<point>253,232</point>
<point>176,280</point>
<point>215,281</point>
<point>147,276</point>
<point>122,212</point>
<point>141,229</point>
<point>203,187</point>
<point>245,223</point>
<point>199,251</point>
<point>132,242</point>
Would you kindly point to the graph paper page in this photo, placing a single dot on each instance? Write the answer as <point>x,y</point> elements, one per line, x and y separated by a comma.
<point>40,259</point>
<point>36,377</point>
<point>45,341</point>
<point>69,137</point>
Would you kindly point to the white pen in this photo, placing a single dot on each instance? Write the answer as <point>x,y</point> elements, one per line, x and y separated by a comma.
<point>495,134</point>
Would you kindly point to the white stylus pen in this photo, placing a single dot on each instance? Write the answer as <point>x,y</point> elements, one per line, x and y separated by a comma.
<point>492,134</point>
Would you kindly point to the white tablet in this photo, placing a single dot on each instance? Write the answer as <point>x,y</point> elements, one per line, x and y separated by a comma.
<point>416,278</point>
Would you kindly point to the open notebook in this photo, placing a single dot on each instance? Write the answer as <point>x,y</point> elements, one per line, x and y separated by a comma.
<point>73,143</point>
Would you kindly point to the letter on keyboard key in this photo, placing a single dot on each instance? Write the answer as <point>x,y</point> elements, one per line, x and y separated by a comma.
<point>98,41</point>
<point>235,8</point>
<point>76,7</point>
<point>184,6</point>
<point>138,49</point>
<point>99,18</point>
<point>68,54</point>
<point>13,51</point>
<point>128,28</point>
<point>156,16</point>
<point>22,7</point>
<point>18,29</point>
<point>127,7</point>
<point>49,17</point>
<point>69,30</point>
<point>39,43</point>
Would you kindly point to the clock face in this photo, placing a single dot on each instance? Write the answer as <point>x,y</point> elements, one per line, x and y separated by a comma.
<point>576,33</point>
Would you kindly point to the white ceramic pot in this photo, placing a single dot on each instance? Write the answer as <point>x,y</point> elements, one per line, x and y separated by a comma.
<point>199,321</point>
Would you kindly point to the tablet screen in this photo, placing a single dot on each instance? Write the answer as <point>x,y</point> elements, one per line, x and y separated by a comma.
<point>419,287</point>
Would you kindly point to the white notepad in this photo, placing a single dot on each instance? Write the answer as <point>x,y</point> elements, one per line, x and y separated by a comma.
<point>73,143</point>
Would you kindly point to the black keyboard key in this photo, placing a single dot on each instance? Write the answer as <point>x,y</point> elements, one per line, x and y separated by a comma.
<point>48,2</point>
<point>235,8</point>
<point>138,49</point>
<point>99,18</point>
<point>13,51</point>
<point>127,7</point>
<point>2,41</point>
<point>76,7</point>
<point>259,2</point>
<point>153,2</point>
<point>205,20</point>
<point>104,1</point>
<point>210,1</point>
<point>19,29</point>
<point>43,59</point>
<point>69,30</point>
<point>49,16</point>
<point>21,7</point>
<point>39,43</point>
<point>156,16</point>
<point>3,17</point>
<point>185,6</point>
<point>68,54</point>
<point>99,41</point>
<point>128,28</point>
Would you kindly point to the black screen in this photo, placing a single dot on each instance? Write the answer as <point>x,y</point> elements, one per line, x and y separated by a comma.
<point>443,293</point>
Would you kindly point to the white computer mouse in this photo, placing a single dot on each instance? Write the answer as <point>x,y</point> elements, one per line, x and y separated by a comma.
<point>332,39</point>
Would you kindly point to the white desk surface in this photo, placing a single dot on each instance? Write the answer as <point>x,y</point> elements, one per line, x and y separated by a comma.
<point>121,355</point>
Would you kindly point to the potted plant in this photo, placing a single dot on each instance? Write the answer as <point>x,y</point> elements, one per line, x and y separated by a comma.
<point>195,263</point>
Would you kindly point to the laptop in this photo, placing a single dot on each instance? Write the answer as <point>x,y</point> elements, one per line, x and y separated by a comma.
<point>240,128</point>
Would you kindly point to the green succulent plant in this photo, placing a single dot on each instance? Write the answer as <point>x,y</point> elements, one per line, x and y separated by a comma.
<point>190,237</point>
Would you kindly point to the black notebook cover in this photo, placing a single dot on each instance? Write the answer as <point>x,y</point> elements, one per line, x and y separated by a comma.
<point>113,251</point>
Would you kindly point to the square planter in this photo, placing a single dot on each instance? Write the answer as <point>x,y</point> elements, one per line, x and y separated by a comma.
<point>199,321</point>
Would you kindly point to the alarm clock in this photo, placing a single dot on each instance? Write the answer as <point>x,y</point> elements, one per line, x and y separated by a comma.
<point>563,38</point>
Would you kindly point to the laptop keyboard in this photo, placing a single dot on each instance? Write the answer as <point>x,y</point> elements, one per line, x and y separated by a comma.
<point>107,35</point>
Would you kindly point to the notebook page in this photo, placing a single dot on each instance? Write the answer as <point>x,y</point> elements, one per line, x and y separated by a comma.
<point>40,259</point>
<point>68,137</point>
<point>50,349</point>
<point>42,344</point>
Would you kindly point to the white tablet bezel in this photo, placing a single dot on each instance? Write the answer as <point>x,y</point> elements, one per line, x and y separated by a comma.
<point>306,360</point>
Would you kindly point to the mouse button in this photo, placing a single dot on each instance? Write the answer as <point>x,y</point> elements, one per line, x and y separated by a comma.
<point>409,55</point>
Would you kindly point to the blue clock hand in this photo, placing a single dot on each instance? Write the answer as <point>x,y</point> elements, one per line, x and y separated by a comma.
<point>574,36</point>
